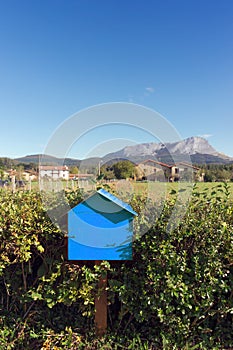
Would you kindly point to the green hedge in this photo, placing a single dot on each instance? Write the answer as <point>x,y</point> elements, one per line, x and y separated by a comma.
<point>176,294</point>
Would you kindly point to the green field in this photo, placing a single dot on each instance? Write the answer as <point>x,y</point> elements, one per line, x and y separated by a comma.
<point>160,190</point>
<point>168,187</point>
<point>154,190</point>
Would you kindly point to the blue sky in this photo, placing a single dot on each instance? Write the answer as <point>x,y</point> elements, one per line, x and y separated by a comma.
<point>59,57</point>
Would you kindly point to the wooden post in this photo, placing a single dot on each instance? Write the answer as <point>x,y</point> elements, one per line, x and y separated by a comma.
<point>101,305</point>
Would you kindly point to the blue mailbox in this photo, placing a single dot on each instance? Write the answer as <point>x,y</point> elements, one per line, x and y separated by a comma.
<point>100,228</point>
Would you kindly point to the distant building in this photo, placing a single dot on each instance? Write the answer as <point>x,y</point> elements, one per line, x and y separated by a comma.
<point>29,175</point>
<point>84,180</point>
<point>54,172</point>
<point>10,174</point>
<point>80,176</point>
<point>186,171</point>
<point>152,170</point>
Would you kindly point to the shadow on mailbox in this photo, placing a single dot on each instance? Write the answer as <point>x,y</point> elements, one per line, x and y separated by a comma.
<point>100,228</point>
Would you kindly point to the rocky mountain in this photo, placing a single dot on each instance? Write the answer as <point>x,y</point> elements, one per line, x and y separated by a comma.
<point>195,148</point>
<point>189,146</point>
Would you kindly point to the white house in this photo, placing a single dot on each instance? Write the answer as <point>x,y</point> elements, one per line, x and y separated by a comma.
<point>54,172</point>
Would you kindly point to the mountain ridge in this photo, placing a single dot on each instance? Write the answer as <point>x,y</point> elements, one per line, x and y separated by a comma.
<point>195,148</point>
<point>191,145</point>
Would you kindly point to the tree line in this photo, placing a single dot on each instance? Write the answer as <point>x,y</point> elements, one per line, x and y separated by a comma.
<point>126,169</point>
<point>218,172</point>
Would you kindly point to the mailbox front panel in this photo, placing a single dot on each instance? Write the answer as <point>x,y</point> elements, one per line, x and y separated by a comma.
<point>99,229</point>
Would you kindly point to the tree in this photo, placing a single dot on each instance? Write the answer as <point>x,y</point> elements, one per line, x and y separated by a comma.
<point>1,173</point>
<point>6,163</point>
<point>123,169</point>
<point>19,171</point>
<point>74,170</point>
<point>209,176</point>
<point>107,172</point>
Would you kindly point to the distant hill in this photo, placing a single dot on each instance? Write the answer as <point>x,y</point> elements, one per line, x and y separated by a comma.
<point>47,160</point>
<point>51,160</point>
<point>35,158</point>
<point>195,148</point>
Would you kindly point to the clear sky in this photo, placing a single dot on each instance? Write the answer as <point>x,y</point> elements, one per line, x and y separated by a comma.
<point>58,57</point>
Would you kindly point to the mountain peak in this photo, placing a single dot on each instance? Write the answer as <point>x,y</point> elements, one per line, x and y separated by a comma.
<point>195,148</point>
<point>191,146</point>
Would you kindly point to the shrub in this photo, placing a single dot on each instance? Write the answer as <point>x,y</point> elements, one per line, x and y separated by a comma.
<point>175,294</point>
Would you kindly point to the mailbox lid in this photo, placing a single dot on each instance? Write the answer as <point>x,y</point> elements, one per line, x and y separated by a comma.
<point>117,201</point>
